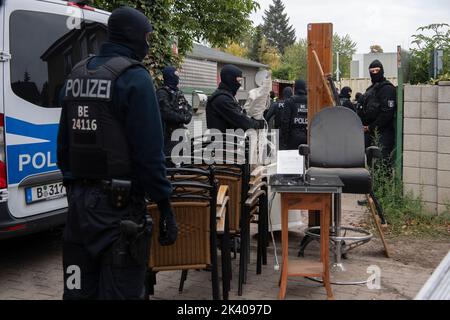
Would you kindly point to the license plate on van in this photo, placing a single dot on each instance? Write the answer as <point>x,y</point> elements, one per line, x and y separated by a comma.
<point>45,192</point>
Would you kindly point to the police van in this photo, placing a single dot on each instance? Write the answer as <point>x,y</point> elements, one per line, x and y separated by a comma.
<point>40,42</point>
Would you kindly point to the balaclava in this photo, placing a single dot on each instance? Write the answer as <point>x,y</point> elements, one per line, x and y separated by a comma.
<point>272,95</point>
<point>171,79</point>
<point>346,92</point>
<point>228,77</point>
<point>379,77</point>
<point>129,27</point>
<point>300,87</point>
<point>287,93</point>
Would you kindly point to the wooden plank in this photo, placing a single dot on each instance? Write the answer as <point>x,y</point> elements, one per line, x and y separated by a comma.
<point>320,39</point>
<point>305,268</point>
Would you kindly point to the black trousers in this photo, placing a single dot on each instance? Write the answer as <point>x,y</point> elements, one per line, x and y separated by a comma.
<point>387,144</point>
<point>294,140</point>
<point>100,260</point>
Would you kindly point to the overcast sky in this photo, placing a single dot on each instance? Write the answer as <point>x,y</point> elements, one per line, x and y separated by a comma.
<point>385,22</point>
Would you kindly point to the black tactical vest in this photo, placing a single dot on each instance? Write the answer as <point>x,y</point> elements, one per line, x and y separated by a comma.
<point>371,106</point>
<point>299,120</point>
<point>177,99</point>
<point>279,113</point>
<point>98,147</point>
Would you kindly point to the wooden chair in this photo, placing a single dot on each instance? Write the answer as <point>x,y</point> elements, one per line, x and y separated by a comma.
<point>195,203</point>
<point>235,174</point>
<point>257,203</point>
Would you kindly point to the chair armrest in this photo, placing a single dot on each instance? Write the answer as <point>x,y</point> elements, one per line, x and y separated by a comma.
<point>304,150</point>
<point>254,198</point>
<point>222,201</point>
<point>259,171</point>
<point>256,187</point>
<point>373,153</point>
<point>255,180</point>
<point>222,194</point>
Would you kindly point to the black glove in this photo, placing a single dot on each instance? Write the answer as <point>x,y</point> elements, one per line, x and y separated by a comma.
<point>168,229</point>
<point>261,124</point>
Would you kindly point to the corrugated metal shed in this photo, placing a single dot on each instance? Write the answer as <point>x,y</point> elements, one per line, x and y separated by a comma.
<point>198,74</point>
<point>204,53</point>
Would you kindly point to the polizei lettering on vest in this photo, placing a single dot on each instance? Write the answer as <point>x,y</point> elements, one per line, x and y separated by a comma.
<point>301,121</point>
<point>88,88</point>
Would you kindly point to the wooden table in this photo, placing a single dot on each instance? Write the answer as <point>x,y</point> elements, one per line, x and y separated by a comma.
<point>315,197</point>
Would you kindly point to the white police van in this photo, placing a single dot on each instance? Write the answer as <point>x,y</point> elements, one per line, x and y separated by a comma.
<point>40,42</point>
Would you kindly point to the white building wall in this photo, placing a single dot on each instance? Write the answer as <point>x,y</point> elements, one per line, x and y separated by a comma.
<point>388,59</point>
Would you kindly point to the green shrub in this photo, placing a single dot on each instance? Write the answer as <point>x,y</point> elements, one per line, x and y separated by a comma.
<point>432,37</point>
<point>404,211</point>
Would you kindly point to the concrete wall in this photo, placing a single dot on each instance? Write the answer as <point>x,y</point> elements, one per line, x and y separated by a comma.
<point>426,156</point>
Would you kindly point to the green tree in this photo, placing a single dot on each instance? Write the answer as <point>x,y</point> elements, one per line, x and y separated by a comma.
<point>346,48</point>
<point>284,72</point>
<point>269,55</point>
<point>434,36</point>
<point>276,27</point>
<point>254,52</point>
<point>216,21</point>
<point>236,49</point>
<point>294,62</point>
<point>376,49</point>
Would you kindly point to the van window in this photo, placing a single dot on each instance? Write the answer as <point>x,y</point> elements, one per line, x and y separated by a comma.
<point>44,49</point>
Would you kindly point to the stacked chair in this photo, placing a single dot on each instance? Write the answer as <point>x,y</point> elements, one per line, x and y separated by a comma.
<point>245,197</point>
<point>201,209</point>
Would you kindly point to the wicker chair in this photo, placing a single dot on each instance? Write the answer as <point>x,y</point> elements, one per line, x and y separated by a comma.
<point>194,203</point>
<point>235,174</point>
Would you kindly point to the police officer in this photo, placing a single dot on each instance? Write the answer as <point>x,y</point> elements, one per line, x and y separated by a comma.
<point>378,110</point>
<point>345,96</point>
<point>175,110</point>
<point>110,151</point>
<point>273,97</point>
<point>359,99</point>
<point>276,109</point>
<point>223,110</point>
<point>294,119</point>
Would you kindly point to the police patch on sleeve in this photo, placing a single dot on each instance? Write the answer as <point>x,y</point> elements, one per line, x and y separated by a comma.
<point>391,104</point>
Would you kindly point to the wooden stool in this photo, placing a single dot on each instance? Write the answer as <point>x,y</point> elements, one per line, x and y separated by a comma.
<point>306,268</point>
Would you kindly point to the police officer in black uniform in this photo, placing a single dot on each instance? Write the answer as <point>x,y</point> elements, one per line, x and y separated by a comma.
<point>359,99</point>
<point>223,110</point>
<point>110,151</point>
<point>344,98</point>
<point>378,111</point>
<point>276,109</point>
<point>294,119</point>
<point>176,112</point>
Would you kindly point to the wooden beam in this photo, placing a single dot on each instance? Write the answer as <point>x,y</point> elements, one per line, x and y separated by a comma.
<point>320,40</point>
<point>320,50</point>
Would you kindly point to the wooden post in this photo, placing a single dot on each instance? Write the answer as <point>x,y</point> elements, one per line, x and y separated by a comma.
<point>320,39</point>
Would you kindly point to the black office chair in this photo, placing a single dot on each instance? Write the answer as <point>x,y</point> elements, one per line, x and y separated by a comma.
<point>337,149</point>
